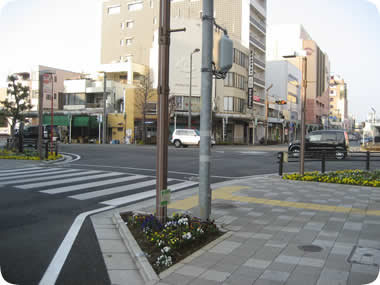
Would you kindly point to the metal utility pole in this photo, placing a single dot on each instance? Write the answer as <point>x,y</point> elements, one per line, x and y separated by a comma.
<point>104,108</point>
<point>163,116</point>
<point>191,75</point>
<point>303,118</point>
<point>40,114</point>
<point>205,122</point>
<point>266,113</point>
<point>52,114</point>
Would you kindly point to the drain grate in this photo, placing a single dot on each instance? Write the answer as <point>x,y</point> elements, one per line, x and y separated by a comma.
<point>365,256</point>
<point>310,248</point>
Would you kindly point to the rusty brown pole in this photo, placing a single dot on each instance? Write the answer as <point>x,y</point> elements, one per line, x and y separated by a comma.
<point>163,116</point>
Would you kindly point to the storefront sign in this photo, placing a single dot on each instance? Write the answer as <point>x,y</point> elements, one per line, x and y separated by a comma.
<point>250,98</point>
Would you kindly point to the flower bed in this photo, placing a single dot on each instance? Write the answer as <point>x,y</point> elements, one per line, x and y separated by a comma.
<point>171,242</point>
<point>27,155</point>
<point>351,177</point>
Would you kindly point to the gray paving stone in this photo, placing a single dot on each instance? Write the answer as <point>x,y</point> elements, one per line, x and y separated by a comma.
<point>352,226</point>
<point>112,246</point>
<point>288,259</point>
<point>337,262</point>
<point>314,262</point>
<point>255,214</point>
<point>275,276</point>
<point>214,275</point>
<point>365,269</point>
<point>328,234</point>
<point>277,244</point>
<point>201,281</point>
<point>257,263</point>
<point>190,270</point>
<point>175,279</point>
<point>307,213</point>
<point>332,277</point>
<point>239,279</point>
<point>225,247</point>
<point>225,267</point>
<point>341,250</point>
<point>290,230</point>
<point>336,219</point>
<point>119,276</point>
<point>323,243</point>
<point>118,261</point>
<point>262,236</point>
<point>107,233</point>
<point>356,278</point>
<point>315,226</point>
<point>369,243</point>
<point>207,259</point>
<point>282,267</point>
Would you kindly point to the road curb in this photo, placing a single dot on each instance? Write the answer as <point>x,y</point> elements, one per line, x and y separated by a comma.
<point>149,275</point>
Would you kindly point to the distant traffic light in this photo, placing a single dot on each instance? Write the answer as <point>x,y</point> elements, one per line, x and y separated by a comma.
<point>281,102</point>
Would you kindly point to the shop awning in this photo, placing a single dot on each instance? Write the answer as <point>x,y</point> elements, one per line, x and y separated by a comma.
<point>80,121</point>
<point>57,120</point>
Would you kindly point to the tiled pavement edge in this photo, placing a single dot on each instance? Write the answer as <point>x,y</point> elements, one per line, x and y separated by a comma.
<point>268,219</point>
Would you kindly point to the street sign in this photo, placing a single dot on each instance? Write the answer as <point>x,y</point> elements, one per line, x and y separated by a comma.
<point>164,197</point>
<point>250,98</point>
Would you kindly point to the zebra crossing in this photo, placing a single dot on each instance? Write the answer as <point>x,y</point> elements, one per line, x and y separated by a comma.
<point>82,184</point>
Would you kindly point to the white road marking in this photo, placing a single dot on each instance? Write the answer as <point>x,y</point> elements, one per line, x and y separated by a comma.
<point>113,190</point>
<point>19,169</point>
<point>55,266</point>
<point>91,184</point>
<point>145,195</point>
<point>252,152</point>
<point>47,177</point>
<point>63,181</point>
<point>76,157</point>
<point>38,173</point>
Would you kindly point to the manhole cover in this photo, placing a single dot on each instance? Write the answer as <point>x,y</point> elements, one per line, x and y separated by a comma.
<point>310,248</point>
<point>365,255</point>
<point>223,206</point>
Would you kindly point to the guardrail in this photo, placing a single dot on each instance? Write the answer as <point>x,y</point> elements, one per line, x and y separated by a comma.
<point>324,156</point>
<point>46,145</point>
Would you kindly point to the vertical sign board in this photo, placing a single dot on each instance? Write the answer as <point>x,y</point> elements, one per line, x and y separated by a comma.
<point>47,86</point>
<point>250,80</point>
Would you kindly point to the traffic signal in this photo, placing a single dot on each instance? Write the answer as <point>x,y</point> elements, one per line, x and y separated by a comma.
<point>281,102</point>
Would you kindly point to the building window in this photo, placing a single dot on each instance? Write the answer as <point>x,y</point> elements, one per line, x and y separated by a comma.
<point>135,6</point>
<point>113,10</point>
<point>240,58</point>
<point>151,3</point>
<point>122,25</point>
<point>151,108</point>
<point>130,24</point>
<point>331,99</point>
<point>236,80</point>
<point>120,129</point>
<point>228,103</point>
<point>128,42</point>
<point>55,96</point>
<point>121,42</point>
<point>154,20</point>
<point>55,78</point>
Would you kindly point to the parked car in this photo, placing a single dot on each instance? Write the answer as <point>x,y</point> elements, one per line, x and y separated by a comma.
<point>186,137</point>
<point>366,140</point>
<point>31,132</point>
<point>334,142</point>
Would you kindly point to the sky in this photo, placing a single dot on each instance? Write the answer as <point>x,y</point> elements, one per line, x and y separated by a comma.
<point>66,34</point>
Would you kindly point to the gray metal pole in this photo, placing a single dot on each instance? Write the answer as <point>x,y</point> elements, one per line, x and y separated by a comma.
<point>303,119</point>
<point>104,121</point>
<point>206,91</point>
<point>191,71</point>
<point>40,114</point>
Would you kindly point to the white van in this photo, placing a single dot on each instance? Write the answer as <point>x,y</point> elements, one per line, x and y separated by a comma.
<point>186,137</point>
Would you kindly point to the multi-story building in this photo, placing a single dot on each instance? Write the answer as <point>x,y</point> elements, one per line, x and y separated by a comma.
<point>285,40</point>
<point>338,109</point>
<point>128,34</point>
<point>4,126</point>
<point>285,80</point>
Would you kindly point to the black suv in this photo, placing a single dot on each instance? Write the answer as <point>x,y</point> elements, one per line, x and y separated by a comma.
<point>334,142</point>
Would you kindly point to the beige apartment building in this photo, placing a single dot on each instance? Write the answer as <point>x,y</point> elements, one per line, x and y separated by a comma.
<point>128,29</point>
<point>338,113</point>
<point>285,40</point>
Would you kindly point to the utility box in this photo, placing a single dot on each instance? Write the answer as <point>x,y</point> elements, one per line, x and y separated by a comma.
<point>226,48</point>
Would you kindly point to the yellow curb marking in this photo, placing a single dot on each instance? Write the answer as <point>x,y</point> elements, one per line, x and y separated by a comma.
<point>227,193</point>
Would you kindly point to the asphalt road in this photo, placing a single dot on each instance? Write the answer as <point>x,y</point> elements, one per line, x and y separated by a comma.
<point>35,216</point>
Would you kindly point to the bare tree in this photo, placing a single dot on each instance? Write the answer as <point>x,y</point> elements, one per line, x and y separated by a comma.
<point>16,104</point>
<point>144,99</point>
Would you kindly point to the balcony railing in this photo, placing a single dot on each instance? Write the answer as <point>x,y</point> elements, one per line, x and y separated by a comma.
<point>261,26</point>
<point>259,81</point>
<point>259,62</point>
<point>257,42</point>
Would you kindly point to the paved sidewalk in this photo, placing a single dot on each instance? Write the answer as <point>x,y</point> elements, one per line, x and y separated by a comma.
<point>278,232</point>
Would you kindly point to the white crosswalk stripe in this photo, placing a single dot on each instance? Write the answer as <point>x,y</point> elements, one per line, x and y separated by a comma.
<point>37,173</point>
<point>19,169</point>
<point>91,184</point>
<point>65,181</point>
<point>50,177</point>
<point>146,194</point>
